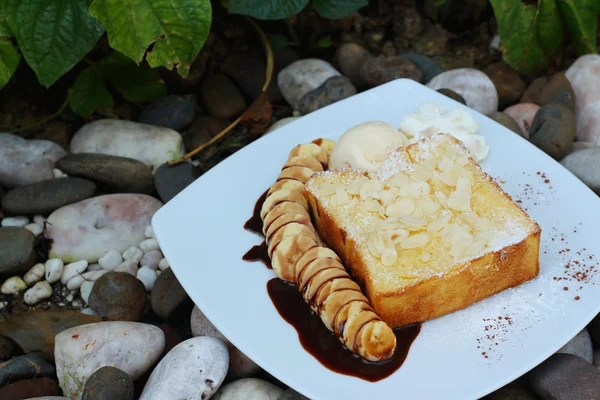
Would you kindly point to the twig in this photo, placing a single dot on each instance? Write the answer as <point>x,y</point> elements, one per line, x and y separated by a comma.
<point>43,121</point>
<point>224,132</point>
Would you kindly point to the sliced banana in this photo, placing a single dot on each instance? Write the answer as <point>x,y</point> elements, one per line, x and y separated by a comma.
<point>301,174</point>
<point>287,253</point>
<point>280,209</point>
<point>310,149</point>
<point>286,219</point>
<point>313,254</point>
<point>304,161</point>
<point>324,287</point>
<point>280,196</point>
<point>336,300</point>
<point>289,230</point>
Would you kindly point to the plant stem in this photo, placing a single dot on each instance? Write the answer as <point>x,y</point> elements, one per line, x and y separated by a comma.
<point>292,31</point>
<point>43,121</point>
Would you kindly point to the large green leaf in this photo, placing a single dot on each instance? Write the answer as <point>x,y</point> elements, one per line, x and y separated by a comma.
<point>176,29</point>
<point>581,17</point>
<point>4,29</point>
<point>137,83</point>
<point>266,10</point>
<point>525,44</point>
<point>9,60</point>
<point>335,9</point>
<point>550,30</point>
<point>89,93</point>
<point>53,35</point>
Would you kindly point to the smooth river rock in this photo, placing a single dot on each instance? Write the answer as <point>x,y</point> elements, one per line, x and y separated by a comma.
<point>114,221</point>
<point>584,76</point>
<point>581,346</point>
<point>108,383</point>
<point>30,388</point>
<point>130,346</point>
<point>45,197</point>
<point>192,370</point>
<point>523,114</point>
<point>119,296</point>
<point>25,367</point>
<point>121,174</point>
<point>16,250</point>
<point>172,111</point>
<point>302,77</point>
<point>149,144</point>
<point>585,164</point>
<point>249,389</point>
<point>553,130</point>
<point>23,162</point>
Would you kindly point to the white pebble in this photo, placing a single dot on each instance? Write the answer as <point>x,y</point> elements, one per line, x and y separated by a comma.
<point>110,260</point>
<point>163,264</point>
<point>93,276</point>
<point>158,272</point>
<point>13,285</point>
<point>54,269</point>
<point>69,297</point>
<point>35,274</point>
<point>149,232</point>
<point>34,228</point>
<point>73,269</point>
<point>15,221</point>
<point>42,290</point>
<point>38,219</point>
<point>94,267</point>
<point>149,244</point>
<point>85,290</point>
<point>75,282</point>
<point>58,173</point>
<point>133,254</point>
<point>147,276</point>
<point>151,259</point>
<point>128,266</point>
<point>89,311</point>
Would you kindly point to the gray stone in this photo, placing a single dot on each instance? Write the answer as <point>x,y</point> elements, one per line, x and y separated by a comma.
<point>565,376</point>
<point>121,174</point>
<point>582,145</point>
<point>585,164</point>
<point>291,394</point>
<point>553,130</point>
<point>9,348</point>
<point>172,111</point>
<point>167,295</point>
<point>45,197</point>
<point>332,90</point>
<point>16,250</point>
<point>430,68</point>
<point>453,95</point>
<point>203,129</point>
<point>23,162</point>
<point>302,77</point>
<point>511,392</point>
<point>580,346</point>
<point>119,296</point>
<point>108,383</point>
<point>170,180</point>
<point>557,90</point>
<point>594,329</point>
<point>249,388</point>
<point>379,70</point>
<point>506,121</point>
<point>508,83</point>
<point>350,57</point>
<point>25,367</point>
<point>221,97</point>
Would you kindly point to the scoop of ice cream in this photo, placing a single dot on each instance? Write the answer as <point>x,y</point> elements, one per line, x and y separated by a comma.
<point>431,118</point>
<point>366,146</point>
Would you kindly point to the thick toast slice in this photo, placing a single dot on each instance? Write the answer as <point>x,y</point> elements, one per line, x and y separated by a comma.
<point>427,234</point>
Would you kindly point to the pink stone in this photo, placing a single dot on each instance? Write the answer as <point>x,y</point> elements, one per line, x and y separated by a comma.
<point>584,76</point>
<point>523,113</point>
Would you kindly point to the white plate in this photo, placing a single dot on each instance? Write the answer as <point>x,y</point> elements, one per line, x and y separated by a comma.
<point>201,233</point>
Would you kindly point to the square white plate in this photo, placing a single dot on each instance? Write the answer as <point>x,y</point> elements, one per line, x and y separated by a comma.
<point>201,233</point>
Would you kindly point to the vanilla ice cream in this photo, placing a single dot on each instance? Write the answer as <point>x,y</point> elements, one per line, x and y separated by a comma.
<point>366,146</point>
<point>431,118</point>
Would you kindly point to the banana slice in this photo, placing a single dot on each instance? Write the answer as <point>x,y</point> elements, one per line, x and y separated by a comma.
<point>327,145</point>
<point>314,267</point>
<point>313,254</point>
<point>301,174</point>
<point>292,184</point>
<point>353,324</point>
<point>289,230</point>
<point>286,219</point>
<point>287,253</point>
<point>280,209</point>
<point>375,341</point>
<point>304,161</point>
<point>322,288</point>
<point>335,301</point>
<point>310,149</point>
<point>280,196</point>
<point>350,309</point>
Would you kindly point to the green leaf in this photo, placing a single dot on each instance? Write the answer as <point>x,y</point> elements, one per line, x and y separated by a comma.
<point>89,93</point>
<point>137,83</point>
<point>9,60</point>
<point>176,29</point>
<point>325,42</point>
<point>53,35</point>
<point>266,10</point>
<point>4,29</point>
<point>335,9</point>
<point>581,17</point>
<point>279,41</point>
<point>528,35</point>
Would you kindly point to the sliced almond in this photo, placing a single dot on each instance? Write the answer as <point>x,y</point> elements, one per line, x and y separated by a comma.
<point>354,187</point>
<point>476,247</point>
<point>342,196</point>
<point>413,223</point>
<point>397,235</point>
<point>388,196</point>
<point>420,173</point>
<point>398,180</point>
<point>427,206</point>
<point>439,223</point>
<point>400,208</point>
<point>372,205</point>
<point>415,241</point>
<point>389,255</point>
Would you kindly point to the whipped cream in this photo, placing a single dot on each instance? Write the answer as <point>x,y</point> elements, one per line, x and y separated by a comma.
<point>431,118</point>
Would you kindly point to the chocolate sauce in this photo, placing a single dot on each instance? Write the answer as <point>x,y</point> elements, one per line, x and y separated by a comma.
<point>255,223</point>
<point>325,346</point>
<point>259,253</point>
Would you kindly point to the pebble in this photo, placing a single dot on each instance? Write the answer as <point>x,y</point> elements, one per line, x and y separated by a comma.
<point>580,346</point>
<point>40,291</point>
<point>506,121</point>
<point>565,376</point>
<point>9,349</point>
<point>582,145</point>
<point>113,221</point>
<point>249,388</point>
<point>85,290</point>
<point>151,259</point>
<point>118,296</point>
<point>249,75</point>
<point>72,269</point>
<point>240,366</point>
<point>553,130</point>
<point>25,367</point>
<point>350,57</point>
<point>147,276</point>
<point>58,173</point>
<point>108,383</point>
<point>511,392</point>
<point>585,165</point>
<point>30,388</point>
<point>149,244</point>
<point>36,229</point>
<point>167,295</point>
<point>202,130</point>
<point>110,260</point>
<point>170,180</point>
<point>474,86</point>
<point>280,123</point>
<point>163,264</point>
<point>291,394</point>
<point>115,173</point>
<point>594,329</point>
<point>133,254</point>
<point>13,285</point>
<point>16,250</point>
<point>376,71</point>
<point>453,95</point>
<point>192,370</point>
<point>92,276</point>
<point>221,97</point>
<point>584,76</point>
<point>172,111</point>
<point>509,85</point>
<point>430,68</point>
<point>332,90</point>
<point>149,144</point>
<point>20,221</point>
<point>557,90</point>
<point>130,346</point>
<point>34,331</point>
<point>523,114</point>
<point>38,219</point>
<point>302,77</point>
<point>149,232</point>
<point>54,269</point>
<point>45,197</point>
<point>129,267</point>
<point>23,162</point>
